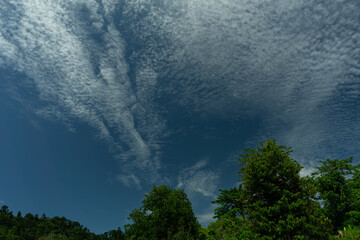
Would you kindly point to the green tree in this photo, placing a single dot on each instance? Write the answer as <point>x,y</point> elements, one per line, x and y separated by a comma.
<point>227,227</point>
<point>274,201</point>
<point>279,202</point>
<point>339,189</point>
<point>165,214</point>
<point>54,237</point>
<point>32,227</point>
<point>230,216</point>
<point>353,216</point>
<point>231,203</point>
<point>113,235</point>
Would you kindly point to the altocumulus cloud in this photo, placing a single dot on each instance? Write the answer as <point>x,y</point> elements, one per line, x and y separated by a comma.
<point>77,77</point>
<point>294,65</point>
<point>195,180</point>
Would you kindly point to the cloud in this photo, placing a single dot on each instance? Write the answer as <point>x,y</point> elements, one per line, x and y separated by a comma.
<point>194,180</point>
<point>292,65</point>
<point>307,171</point>
<point>206,218</point>
<point>129,180</point>
<point>283,62</point>
<point>80,78</point>
<point>207,215</point>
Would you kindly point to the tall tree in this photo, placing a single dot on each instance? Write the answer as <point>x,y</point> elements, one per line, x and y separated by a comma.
<point>279,201</point>
<point>165,214</point>
<point>230,216</point>
<point>273,199</point>
<point>353,216</point>
<point>31,227</point>
<point>339,187</point>
<point>231,203</point>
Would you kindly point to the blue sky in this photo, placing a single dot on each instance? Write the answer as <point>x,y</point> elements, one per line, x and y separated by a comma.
<point>100,99</point>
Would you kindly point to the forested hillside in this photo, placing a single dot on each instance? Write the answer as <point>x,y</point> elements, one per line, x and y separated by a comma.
<point>31,227</point>
<point>272,202</point>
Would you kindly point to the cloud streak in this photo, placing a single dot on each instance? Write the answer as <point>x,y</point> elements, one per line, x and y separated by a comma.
<point>78,78</point>
<point>195,180</point>
<point>123,67</point>
<point>293,65</point>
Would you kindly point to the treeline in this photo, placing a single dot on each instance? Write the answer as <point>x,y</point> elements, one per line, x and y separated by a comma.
<point>272,202</point>
<point>31,227</point>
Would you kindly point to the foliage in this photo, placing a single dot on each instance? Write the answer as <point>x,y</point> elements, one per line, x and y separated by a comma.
<point>203,234</point>
<point>339,187</point>
<point>165,214</point>
<point>229,228</point>
<point>347,233</point>
<point>113,234</point>
<point>232,203</point>
<point>279,201</point>
<point>230,215</point>
<point>53,236</point>
<point>273,201</point>
<point>32,227</point>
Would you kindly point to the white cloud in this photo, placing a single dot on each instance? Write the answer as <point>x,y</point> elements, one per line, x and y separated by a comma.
<point>52,45</point>
<point>206,218</point>
<point>129,180</point>
<point>8,51</point>
<point>194,180</point>
<point>292,64</point>
<point>307,171</point>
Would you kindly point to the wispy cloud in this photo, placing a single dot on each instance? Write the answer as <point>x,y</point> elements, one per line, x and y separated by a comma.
<point>129,180</point>
<point>293,65</point>
<point>307,171</point>
<point>206,218</point>
<point>195,180</point>
<point>207,215</point>
<point>79,78</point>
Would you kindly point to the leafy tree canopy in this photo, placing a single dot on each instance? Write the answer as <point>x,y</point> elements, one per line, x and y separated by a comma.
<point>273,200</point>
<point>165,214</point>
<point>232,203</point>
<point>339,189</point>
<point>32,227</point>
